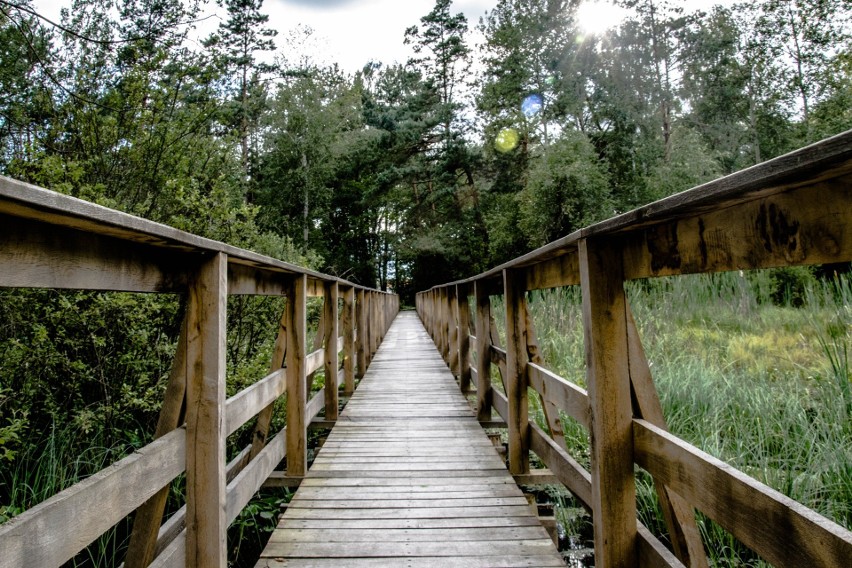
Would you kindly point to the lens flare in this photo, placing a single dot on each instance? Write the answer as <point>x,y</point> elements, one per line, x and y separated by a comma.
<point>597,17</point>
<point>532,105</point>
<point>506,140</point>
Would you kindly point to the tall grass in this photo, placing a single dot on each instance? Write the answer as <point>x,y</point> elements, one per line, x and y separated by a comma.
<point>763,385</point>
<point>64,456</point>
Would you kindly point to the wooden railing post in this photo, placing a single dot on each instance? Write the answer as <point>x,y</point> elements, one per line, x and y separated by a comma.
<point>361,339</point>
<point>205,416</point>
<point>483,351</point>
<point>348,322</point>
<point>463,337</point>
<point>431,313</point>
<point>369,328</point>
<point>608,379</point>
<point>332,363</point>
<point>428,309</point>
<point>453,330</point>
<point>436,320</point>
<point>516,371</point>
<point>444,323</point>
<point>297,447</point>
<point>375,326</point>
<point>435,317</point>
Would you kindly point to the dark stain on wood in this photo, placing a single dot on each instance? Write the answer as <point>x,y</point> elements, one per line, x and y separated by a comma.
<point>662,244</point>
<point>702,243</point>
<point>778,231</point>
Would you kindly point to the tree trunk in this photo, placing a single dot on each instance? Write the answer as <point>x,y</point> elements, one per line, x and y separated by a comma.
<point>306,210</point>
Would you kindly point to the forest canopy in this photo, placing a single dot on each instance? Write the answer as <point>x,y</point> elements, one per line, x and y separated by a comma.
<point>402,176</point>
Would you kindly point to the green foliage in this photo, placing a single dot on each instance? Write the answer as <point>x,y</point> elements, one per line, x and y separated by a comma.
<point>790,285</point>
<point>10,438</point>
<point>689,165</point>
<point>97,361</point>
<point>567,190</point>
<point>249,532</point>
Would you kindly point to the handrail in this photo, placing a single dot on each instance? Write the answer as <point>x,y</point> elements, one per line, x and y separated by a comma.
<point>49,240</point>
<point>794,210</point>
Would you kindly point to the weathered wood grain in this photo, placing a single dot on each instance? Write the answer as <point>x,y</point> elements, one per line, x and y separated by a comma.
<point>348,324</point>
<point>791,228</point>
<point>607,367</point>
<point>453,330</point>
<point>205,416</point>
<point>463,337</point>
<point>407,472</point>
<point>297,448</point>
<point>503,561</point>
<point>243,487</point>
<point>516,376</point>
<point>362,335</point>
<point>40,255</point>
<point>563,394</point>
<point>247,403</point>
<point>332,349</point>
<point>744,506</point>
<point>38,205</point>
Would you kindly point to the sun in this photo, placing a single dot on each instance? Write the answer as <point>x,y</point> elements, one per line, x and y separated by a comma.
<point>595,17</point>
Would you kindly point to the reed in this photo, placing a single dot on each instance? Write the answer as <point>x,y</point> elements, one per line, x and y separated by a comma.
<point>755,375</point>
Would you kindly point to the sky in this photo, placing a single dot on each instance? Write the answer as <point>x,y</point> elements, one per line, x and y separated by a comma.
<point>351,32</point>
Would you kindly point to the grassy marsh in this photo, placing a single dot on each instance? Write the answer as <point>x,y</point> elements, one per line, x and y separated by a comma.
<point>748,368</point>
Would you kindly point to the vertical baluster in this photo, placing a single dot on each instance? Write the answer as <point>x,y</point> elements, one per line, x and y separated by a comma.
<point>205,416</point>
<point>348,341</point>
<point>608,379</point>
<point>444,315</point>
<point>483,351</point>
<point>361,339</point>
<point>453,330</point>
<point>297,448</point>
<point>463,336</point>
<point>332,363</point>
<point>516,371</point>
<point>376,326</point>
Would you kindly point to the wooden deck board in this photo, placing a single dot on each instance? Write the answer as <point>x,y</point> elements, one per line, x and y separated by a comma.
<point>407,477</point>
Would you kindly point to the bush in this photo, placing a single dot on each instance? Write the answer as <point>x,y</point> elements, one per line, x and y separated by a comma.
<point>791,284</point>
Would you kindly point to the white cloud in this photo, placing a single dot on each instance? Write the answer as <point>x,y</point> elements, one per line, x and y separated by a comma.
<point>349,32</point>
<point>357,32</point>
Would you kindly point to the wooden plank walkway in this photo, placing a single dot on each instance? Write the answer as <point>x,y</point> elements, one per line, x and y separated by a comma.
<point>408,478</point>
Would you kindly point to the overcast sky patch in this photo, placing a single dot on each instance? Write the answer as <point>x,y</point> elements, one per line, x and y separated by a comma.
<point>323,4</point>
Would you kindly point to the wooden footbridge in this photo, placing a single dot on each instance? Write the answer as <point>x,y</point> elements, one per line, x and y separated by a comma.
<point>407,476</point>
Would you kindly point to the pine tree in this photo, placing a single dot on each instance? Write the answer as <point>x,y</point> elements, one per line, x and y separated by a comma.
<point>236,46</point>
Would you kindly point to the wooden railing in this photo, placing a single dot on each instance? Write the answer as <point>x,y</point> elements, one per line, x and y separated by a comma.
<point>49,240</point>
<point>794,210</point>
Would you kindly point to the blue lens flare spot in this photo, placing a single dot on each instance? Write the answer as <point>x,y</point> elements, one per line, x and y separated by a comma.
<point>532,105</point>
